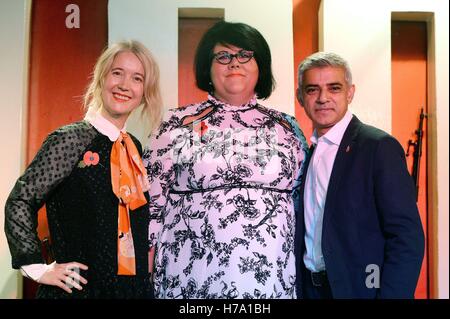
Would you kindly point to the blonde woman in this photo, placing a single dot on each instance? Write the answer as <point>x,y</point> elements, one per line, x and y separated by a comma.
<point>91,177</point>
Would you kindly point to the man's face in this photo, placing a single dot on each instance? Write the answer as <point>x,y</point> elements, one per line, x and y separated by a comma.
<point>326,96</point>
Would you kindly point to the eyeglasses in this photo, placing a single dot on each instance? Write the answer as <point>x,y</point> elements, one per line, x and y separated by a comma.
<point>224,57</point>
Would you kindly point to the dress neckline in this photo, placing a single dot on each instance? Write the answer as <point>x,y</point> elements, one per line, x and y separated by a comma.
<point>216,102</point>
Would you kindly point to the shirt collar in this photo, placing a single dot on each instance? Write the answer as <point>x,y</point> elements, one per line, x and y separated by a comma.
<point>103,125</point>
<point>335,134</point>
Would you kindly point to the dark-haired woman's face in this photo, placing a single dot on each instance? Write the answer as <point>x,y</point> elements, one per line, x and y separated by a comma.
<point>234,83</point>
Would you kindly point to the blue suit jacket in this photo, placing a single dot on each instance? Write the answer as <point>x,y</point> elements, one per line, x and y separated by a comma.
<point>370,218</point>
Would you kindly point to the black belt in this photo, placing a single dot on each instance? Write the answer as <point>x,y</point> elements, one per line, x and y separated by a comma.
<point>230,186</point>
<point>319,279</point>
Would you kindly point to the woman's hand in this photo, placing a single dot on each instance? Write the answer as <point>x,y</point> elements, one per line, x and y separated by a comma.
<point>64,276</point>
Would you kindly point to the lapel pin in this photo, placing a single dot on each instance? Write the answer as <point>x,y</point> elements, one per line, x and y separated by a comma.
<point>347,149</point>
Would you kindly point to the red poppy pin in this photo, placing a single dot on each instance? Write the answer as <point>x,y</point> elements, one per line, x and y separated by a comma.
<point>89,158</point>
<point>201,128</point>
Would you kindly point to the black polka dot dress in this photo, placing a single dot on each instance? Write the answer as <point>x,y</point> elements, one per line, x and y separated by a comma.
<point>71,175</point>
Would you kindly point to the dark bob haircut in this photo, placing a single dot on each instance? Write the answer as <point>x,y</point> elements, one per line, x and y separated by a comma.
<point>240,35</point>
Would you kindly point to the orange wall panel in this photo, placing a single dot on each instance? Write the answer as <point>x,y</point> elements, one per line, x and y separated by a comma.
<point>409,94</point>
<point>190,32</point>
<point>306,34</point>
<point>61,60</point>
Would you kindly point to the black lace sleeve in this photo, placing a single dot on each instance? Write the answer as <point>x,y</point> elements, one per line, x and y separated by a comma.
<point>54,161</point>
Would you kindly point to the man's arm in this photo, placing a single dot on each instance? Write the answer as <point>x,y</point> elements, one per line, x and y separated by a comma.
<point>400,221</point>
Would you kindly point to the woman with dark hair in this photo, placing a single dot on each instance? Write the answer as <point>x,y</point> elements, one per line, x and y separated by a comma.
<point>222,174</point>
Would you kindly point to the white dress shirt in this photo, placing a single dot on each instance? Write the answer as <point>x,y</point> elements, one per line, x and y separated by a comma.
<point>316,186</point>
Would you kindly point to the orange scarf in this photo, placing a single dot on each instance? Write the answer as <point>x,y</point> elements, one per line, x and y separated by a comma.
<point>129,182</point>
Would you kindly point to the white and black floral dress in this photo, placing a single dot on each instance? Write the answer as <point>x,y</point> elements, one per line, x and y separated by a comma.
<point>222,216</point>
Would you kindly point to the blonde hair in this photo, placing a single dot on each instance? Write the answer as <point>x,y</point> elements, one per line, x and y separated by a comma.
<point>152,103</point>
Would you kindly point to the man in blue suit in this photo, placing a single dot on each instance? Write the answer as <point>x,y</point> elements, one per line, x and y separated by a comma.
<point>358,232</point>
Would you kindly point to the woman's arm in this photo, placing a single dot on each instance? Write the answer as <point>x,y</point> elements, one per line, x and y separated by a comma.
<point>54,161</point>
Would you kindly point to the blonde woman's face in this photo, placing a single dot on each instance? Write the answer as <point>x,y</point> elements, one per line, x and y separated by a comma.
<point>123,88</point>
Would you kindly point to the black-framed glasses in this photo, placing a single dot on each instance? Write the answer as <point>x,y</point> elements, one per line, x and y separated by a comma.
<point>224,57</point>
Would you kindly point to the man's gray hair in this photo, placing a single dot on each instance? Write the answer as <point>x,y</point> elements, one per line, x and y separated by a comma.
<point>320,60</point>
